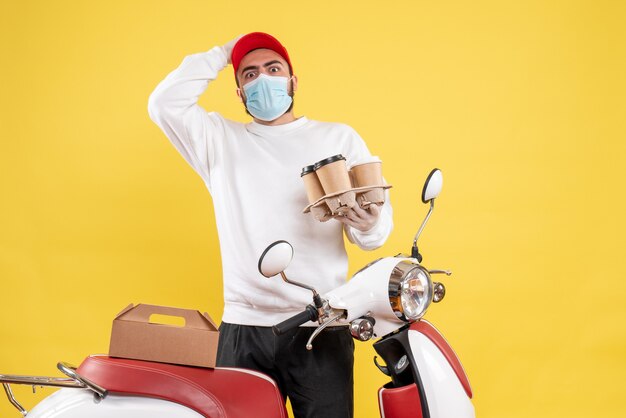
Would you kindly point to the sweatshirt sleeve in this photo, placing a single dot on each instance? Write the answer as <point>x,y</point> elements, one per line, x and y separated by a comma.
<point>173,106</point>
<point>378,234</point>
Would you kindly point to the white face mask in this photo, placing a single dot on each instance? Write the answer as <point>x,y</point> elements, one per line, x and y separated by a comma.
<point>267,97</point>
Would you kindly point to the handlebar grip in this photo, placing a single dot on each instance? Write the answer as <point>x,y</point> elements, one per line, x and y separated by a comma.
<point>309,314</point>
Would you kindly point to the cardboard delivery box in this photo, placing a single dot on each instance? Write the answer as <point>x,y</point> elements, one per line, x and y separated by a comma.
<point>134,336</point>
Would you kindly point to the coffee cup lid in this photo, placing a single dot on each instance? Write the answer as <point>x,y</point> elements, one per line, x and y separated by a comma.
<point>329,160</point>
<point>307,170</point>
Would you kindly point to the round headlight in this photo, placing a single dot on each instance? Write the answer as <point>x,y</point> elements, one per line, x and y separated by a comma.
<point>410,291</point>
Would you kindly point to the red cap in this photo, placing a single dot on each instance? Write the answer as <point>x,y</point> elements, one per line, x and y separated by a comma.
<point>257,40</point>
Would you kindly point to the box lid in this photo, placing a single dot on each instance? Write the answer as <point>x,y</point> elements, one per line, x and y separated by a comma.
<point>142,312</point>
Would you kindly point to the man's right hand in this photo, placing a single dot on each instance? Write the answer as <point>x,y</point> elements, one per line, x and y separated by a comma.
<point>228,47</point>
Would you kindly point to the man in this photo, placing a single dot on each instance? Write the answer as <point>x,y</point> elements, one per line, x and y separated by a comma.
<point>253,174</point>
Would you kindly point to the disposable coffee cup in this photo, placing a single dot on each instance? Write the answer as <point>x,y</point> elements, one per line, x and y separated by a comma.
<point>333,174</point>
<point>314,190</point>
<point>368,173</point>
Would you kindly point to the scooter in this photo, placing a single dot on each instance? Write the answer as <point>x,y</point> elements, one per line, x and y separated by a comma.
<point>386,298</point>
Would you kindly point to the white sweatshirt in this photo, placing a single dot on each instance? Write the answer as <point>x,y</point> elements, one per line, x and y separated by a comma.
<point>253,174</point>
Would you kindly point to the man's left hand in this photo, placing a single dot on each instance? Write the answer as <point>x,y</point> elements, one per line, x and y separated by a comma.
<point>361,219</point>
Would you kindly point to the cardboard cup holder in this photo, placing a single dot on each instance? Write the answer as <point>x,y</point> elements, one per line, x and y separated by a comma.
<point>339,204</point>
<point>332,190</point>
<point>314,192</point>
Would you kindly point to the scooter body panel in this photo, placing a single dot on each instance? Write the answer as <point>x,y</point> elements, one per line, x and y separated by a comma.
<point>80,403</point>
<point>402,402</point>
<point>368,291</point>
<point>427,379</point>
<point>445,394</point>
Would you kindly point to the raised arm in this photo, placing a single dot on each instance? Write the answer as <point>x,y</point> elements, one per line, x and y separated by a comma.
<point>173,106</point>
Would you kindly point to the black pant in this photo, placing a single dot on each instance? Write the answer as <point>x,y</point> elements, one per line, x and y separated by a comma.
<point>318,383</point>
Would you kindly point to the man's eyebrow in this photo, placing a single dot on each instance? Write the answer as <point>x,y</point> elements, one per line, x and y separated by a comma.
<point>256,67</point>
<point>249,67</point>
<point>267,64</point>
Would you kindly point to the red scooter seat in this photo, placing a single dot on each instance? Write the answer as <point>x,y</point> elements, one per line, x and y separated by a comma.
<point>213,393</point>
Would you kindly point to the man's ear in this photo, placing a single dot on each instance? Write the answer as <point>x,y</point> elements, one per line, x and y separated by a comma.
<point>294,83</point>
<point>239,94</point>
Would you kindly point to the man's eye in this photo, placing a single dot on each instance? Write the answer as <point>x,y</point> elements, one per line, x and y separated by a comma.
<point>274,69</point>
<point>249,75</point>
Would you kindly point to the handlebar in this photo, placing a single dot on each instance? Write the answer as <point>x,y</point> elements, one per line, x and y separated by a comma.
<point>309,314</point>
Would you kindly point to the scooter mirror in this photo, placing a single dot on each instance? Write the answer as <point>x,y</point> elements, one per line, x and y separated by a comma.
<point>275,258</point>
<point>432,186</point>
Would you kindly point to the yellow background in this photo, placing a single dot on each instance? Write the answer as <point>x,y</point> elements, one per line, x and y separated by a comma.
<point>520,103</point>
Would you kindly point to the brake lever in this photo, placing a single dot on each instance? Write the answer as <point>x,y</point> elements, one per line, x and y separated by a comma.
<point>309,344</point>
